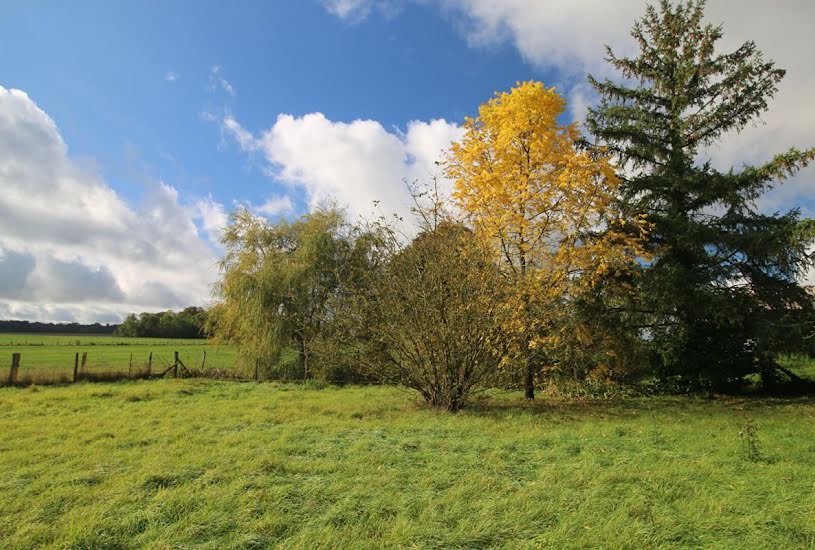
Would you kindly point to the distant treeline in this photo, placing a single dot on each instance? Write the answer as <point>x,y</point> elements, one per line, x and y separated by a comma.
<point>187,323</point>
<point>55,328</point>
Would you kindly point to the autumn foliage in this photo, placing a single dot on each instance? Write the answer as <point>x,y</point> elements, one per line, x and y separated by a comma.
<point>546,207</point>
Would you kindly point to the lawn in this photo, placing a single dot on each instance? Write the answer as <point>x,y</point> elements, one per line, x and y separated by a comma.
<point>44,355</point>
<point>208,464</point>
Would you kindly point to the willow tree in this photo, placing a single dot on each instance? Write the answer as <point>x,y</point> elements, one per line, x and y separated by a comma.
<point>546,207</point>
<point>280,283</point>
<point>721,296</point>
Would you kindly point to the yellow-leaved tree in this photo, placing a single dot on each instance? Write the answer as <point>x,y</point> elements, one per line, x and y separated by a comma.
<point>546,205</point>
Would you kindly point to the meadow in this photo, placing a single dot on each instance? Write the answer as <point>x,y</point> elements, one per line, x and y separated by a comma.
<point>45,356</point>
<point>214,464</point>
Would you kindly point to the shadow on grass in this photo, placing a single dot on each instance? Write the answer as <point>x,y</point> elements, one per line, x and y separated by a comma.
<point>504,404</point>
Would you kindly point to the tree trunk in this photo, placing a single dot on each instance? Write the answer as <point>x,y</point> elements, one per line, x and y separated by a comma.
<point>530,380</point>
<point>302,358</point>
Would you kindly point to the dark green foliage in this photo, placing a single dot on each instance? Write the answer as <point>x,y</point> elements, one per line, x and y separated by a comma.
<point>720,298</point>
<point>187,323</point>
<point>28,327</point>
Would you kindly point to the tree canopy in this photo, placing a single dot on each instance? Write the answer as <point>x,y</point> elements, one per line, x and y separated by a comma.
<point>280,283</point>
<point>721,296</point>
<point>187,323</point>
<point>546,207</point>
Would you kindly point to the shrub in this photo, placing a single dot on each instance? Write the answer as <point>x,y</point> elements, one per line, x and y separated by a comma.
<point>427,319</point>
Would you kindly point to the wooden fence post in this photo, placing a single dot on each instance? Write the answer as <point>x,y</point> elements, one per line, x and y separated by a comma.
<point>84,364</point>
<point>130,365</point>
<point>203,362</point>
<point>175,366</point>
<point>15,366</point>
<point>76,366</point>
<point>149,364</point>
<point>257,360</point>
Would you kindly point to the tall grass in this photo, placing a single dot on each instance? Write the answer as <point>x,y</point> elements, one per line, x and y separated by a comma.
<point>207,464</point>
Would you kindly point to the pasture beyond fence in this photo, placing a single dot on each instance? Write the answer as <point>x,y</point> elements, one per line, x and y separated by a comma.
<point>20,375</point>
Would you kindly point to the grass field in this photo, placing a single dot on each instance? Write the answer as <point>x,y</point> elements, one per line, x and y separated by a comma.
<point>207,464</point>
<point>46,354</point>
<point>802,365</point>
<point>28,340</point>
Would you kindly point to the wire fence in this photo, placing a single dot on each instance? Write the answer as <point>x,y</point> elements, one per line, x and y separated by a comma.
<point>103,365</point>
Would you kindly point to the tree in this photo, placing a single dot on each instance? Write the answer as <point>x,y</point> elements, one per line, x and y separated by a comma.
<point>279,283</point>
<point>426,320</point>
<point>129,327</point>
<point>187,323</point>
<point>545,206</point>
<point>720,298</point>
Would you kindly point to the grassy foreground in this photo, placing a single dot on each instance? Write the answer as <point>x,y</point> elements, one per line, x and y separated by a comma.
<point>207,464</point>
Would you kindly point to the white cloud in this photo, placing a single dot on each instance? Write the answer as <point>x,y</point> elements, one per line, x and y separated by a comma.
<point>59,281</point>
<point>359,10</point>
<point>276,205</point>
<point>216,79</point>
<point>357,163</point>
<point>213,217</point>
<point>245,139</point>
<point>570,37</point>
<point>71,245</point>
<point>171,76</point>
<point>348,8</point>
<point>15,268</point>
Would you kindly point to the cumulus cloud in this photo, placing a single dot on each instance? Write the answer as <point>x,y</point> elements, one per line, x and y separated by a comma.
<point>213,217</point>
<point>59,281</point>
<point>569,38</point>
<point>71,244</point>
<point>358,163</point>
<point>15,267</point>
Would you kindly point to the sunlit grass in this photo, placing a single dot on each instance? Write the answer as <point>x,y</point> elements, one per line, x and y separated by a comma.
<point>49,355</point>
<point>205,464</point>
<point>802,365</point>
<point>86,340</point>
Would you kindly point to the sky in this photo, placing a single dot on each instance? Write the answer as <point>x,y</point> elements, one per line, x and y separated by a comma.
<point>129,130</point>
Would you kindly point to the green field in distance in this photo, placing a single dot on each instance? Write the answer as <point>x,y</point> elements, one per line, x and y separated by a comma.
<point>58,351</point>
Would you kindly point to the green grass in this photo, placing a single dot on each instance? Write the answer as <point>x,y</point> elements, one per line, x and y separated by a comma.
<point>43,355</point>
<point>21,339</point>
<point>802,365</point>
<point>207,464</point>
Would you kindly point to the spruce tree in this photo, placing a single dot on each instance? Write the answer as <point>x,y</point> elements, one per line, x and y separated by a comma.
<point>720,297</point>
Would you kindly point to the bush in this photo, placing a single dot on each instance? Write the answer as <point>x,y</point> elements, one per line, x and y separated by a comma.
<point>428,317</point>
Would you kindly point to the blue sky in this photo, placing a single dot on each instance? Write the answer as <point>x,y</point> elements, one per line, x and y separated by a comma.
<point>128,130</point>
<point>100,69</point>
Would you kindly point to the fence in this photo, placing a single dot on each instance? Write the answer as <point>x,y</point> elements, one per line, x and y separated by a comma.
<point>82,371</point>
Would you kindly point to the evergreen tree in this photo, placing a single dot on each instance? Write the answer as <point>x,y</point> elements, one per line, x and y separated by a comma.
<point>721,296</point>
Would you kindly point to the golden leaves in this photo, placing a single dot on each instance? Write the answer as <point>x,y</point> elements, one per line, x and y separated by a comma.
<point>546,207</point>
